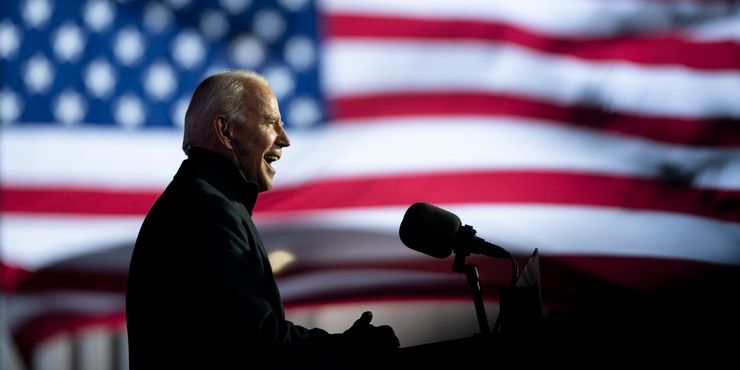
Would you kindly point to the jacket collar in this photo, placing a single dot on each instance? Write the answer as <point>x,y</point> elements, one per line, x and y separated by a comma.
<point>223,173</point>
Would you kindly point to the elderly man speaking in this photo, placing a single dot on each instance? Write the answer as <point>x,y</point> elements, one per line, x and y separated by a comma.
<point>201,293</point>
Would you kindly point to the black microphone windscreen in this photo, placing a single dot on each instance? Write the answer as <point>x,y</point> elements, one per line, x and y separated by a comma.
<point>429,229</point>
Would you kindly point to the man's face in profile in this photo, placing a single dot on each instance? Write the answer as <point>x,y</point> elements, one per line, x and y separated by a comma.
<point>258,141</point>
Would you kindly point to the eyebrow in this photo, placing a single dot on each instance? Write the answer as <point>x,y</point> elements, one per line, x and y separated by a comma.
<point>272,118</point>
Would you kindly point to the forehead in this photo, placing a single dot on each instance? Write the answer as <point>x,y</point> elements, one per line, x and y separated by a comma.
<point>261,100</point>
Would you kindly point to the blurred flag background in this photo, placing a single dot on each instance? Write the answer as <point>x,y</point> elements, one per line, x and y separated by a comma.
<point>604,133</point>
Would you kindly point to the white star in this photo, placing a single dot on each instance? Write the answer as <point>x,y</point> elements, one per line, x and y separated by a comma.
<point>269,25</point>
<point>188,49</point>
<point>36,12</point>
<point>10,39</point>
<point>69,107</point>
<point>159,80</point>
<point>235,6</point>
<point>300,52</point>
<point>38,74</point>
<point>214,24</point>
<point>157,17</point>
<point>129,111</point>
<point>10,106</point>
<point>98,14</point>
<point>100,78</point>
<point>303,112</point>
<point>68,42</point>
<point>247,52</point>
<point>128,46</point>
<point>281,80</point>
<point>178,111</point>
<point>293,5</point>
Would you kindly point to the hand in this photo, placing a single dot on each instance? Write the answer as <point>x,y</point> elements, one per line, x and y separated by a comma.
<point>362,334</point>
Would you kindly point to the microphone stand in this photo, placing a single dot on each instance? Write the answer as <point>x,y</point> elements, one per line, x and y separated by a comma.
<point>466,242</point>
<point>473,278</point>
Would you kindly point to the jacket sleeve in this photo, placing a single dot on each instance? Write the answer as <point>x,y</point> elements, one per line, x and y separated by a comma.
<point>238,287</point>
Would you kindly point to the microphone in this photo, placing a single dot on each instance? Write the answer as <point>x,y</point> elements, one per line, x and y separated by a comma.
<point>437,232</point>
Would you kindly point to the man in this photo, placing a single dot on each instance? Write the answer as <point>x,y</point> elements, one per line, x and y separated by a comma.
<point>200,292</point>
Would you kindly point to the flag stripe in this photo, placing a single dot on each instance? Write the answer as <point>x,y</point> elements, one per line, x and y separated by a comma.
<point>29,199</point>
<point>410,279</point>
<point>351,67</point>
<point>323,234</point>
<point>507,187</point>
<point>720,132</point>
<point>26,242</point>
<point>374,147</point>
<point>652,49</point>
<point>300,279</point>
<point>40,303</point>
<point>479,187</point>
<point>99,157</point>
<point>567,18</point>
<point>554,229</point>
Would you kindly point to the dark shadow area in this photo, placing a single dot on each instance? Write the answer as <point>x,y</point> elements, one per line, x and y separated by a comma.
<point>104,270</point>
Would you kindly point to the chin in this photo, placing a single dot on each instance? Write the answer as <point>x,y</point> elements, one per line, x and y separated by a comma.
<point>265,185</point>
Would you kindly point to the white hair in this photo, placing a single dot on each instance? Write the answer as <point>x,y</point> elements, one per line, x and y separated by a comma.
<point>220,94</point>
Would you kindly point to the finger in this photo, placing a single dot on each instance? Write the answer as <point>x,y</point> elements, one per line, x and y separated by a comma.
<point>365,319</point>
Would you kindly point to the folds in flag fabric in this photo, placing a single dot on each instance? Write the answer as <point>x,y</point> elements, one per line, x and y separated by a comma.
<point>604,133</point>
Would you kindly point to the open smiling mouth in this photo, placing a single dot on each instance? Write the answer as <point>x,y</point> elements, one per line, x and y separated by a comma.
<point>270,158</point>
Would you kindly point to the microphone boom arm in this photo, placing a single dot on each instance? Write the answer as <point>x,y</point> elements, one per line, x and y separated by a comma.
<point>468,243</point>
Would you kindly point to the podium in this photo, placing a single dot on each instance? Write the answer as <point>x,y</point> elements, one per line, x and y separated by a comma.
<point>521,304</point>
<point>517,332</point>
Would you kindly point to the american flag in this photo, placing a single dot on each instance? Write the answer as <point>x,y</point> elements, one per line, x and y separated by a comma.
<point>604,133</point>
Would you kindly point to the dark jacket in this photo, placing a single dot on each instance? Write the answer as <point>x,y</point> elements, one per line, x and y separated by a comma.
<point>200,292</point>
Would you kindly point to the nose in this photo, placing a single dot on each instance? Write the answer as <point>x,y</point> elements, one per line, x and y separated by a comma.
<point>282,139</point>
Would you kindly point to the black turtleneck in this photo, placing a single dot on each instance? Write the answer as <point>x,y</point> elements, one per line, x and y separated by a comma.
<point>219,170</point>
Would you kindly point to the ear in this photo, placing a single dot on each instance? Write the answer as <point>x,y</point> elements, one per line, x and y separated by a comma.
<point>222,128</point>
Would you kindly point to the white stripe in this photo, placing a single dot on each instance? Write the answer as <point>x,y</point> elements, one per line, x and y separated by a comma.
<point>89,157</point>
<point>370,148</point>
<point>555,230</point>
<point>723,29</point>
<point>355,67</point>
<point>312,284</point>
<point>35,241</point>
<point>572,18</point>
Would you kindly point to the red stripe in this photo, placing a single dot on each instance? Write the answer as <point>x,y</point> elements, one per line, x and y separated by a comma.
<point>660,49</point>
<point>716,132</point>
<point>668,195</point>
<point>34,199</point>
<point>12,276</point>
<point>493,187</point>
<point>51,279</point>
